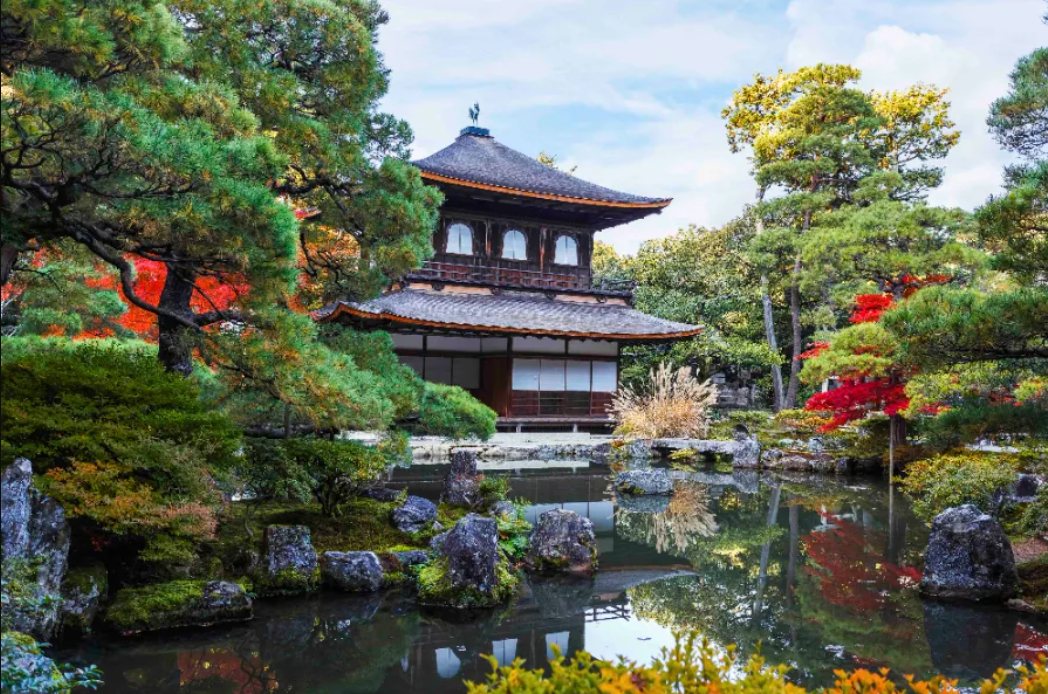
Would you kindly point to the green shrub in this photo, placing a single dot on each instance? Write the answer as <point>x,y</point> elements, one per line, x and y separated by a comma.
<point>696,666</point>
<point>514,532</point>
<point>961,477</point>
<point>332,472</point>
<point>102,421</point>
<point>493,489</point>
<point>1033,581</point>
<point>453,413</point>
<point>1034,517</point>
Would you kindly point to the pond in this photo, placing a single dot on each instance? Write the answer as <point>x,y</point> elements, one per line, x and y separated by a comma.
<point>820,573</point>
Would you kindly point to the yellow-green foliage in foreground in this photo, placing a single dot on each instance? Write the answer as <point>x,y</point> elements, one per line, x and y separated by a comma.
<point>694,666</point>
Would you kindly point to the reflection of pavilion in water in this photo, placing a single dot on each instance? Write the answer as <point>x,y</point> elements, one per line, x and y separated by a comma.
<point>548,616</point>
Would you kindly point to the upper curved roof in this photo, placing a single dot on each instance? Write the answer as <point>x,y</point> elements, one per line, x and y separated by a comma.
<point>475,159</point>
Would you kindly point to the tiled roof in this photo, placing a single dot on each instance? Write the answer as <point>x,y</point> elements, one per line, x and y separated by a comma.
<point>521,313</point>
<point>481,160</point>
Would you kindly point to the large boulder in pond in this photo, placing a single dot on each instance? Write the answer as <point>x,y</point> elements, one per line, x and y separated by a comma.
<point>351,572</point>
<point>469,570</point>
<point>644,482</point>
<point>563,541</point>
<point>462,483</point>
<point>415,515</point>
<point>178,604</point>
<point>969,558</point>
<point>290,564</point>
<point>35,542</point>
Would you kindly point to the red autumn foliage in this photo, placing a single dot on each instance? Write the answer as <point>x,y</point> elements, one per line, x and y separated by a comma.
<point>855,399</point>
<point>870,307</point>
<point>150,275</point>
<point>850,572</point>
<point>815,349</point>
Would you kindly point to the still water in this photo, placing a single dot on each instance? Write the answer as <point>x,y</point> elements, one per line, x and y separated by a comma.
<point>819,573</point>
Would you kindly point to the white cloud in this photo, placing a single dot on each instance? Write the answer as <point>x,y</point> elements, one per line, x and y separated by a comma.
<point>631,92</point>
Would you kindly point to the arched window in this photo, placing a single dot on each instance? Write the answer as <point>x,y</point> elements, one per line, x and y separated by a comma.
<point>514,245</point>
<point>460,239</point>
<point>567,251</point>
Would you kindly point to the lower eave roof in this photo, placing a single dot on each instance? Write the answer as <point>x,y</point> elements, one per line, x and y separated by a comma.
<point>510,313</point>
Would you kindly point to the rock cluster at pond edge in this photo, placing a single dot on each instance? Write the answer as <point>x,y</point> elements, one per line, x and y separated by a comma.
<point>35,534</point>
<point>351,572</point>
<point>462,483</point>
<point>969,558</point>
<point>563,541</point>
<point>290,565</point>
<point>178,604</point>
<point>468,570</point>
<point>415,515</point>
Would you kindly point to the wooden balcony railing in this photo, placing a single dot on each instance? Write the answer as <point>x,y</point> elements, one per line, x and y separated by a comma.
<point>515,277</point>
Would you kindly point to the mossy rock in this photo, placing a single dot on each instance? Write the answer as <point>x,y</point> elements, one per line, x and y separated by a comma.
<point>84,592</point>
<point>178,604</point>
<point>436,589</point>
<point>287,582</point>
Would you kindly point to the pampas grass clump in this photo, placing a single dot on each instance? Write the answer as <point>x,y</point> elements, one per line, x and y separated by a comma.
<point>675,404</point>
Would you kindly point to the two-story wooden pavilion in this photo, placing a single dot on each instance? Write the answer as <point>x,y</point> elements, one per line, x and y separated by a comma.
<point>508,308</point>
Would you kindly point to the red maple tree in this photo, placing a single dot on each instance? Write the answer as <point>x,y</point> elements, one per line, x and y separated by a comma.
<point>854,398</point>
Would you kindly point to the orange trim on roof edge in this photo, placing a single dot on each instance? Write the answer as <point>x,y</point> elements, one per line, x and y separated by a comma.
<point>544,196</point>
<point>343,308</point>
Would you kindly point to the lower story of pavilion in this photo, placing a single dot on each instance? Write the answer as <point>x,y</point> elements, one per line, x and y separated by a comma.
<point>530,382</point>
<point>540,362</point>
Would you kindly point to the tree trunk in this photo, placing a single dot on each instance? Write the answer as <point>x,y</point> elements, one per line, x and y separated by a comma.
<point>798,340</point>
<point>176,344</point>
<point>899,431</point>
<point>773,344</point>
<point>8,259</point>
<point>769,321</point>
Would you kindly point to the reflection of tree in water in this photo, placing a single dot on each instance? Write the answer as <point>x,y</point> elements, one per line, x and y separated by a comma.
<point>686,520</point>
<point>788,580</point>
<point>850,570</point>
<point>720,602</point>
<point>244,674</point>
<point>853,597</point>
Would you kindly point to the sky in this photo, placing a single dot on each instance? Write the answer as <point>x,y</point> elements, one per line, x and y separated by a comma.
<point>631,92</point>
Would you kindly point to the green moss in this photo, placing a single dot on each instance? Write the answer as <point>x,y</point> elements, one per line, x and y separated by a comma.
<point>286,582</point>
<point>152,607</point>
<point>170,605</point>
<point>1033,582</point>
<point>395,578</point>
<point>85,579</point>
<point>434,587</point>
